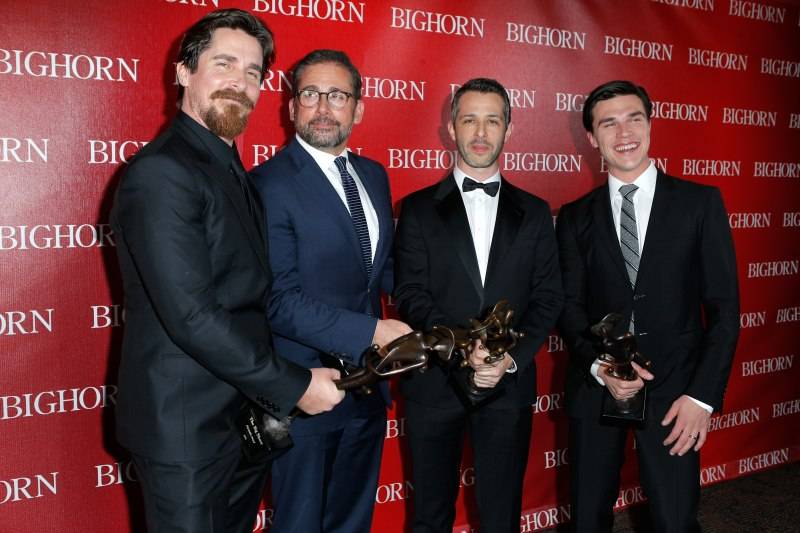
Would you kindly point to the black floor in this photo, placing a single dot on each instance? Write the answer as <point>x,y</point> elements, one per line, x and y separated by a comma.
<point>766,502</point>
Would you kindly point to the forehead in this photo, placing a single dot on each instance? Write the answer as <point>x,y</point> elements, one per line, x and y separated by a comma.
<point>236,43</point>
<point>324,76</point>
<point>474,102</point>
<point>621,105</point>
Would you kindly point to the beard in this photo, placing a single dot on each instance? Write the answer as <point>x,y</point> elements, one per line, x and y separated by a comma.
<point>318,139</point>
<point>232,121</point>
<point>479,161</point>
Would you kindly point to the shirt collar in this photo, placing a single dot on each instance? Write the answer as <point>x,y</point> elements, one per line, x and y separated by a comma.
<point>646,182</point>
<point>218,148</point>
<point>459,176</point>
<point>323,159</point>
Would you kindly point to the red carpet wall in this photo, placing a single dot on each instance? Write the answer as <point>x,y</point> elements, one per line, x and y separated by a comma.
<point>85,83</point>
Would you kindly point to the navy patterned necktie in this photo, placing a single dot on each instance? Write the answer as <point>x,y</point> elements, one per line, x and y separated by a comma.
<point>356,213</point>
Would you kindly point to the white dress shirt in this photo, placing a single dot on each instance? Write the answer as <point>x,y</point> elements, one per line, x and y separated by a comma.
<point>642,205</point>
<point>481,214</point>
<point>326,163</point>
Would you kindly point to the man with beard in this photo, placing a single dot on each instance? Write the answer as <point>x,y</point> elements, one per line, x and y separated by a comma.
<point>658,250</point>
<point>197,344</point>
<point>462,245</point>
<point>330,239</point>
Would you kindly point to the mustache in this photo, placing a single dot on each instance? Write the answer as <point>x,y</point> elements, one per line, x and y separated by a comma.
<point>230,94</point>
<point>327,121</point>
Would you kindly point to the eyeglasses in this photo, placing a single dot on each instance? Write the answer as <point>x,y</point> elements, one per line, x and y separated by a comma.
<point>310,97</point>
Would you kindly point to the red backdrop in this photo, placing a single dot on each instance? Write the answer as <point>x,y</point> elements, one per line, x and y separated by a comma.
<point>85,83</point>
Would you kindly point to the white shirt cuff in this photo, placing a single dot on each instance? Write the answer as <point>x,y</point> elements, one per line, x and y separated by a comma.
<point>701,404</point>
<point>595,369</point>
<point>513,367</point>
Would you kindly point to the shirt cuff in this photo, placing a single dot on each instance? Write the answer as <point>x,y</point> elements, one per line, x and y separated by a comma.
<point>701,404</point>
<point>513,367</point>
<point>595,369</point>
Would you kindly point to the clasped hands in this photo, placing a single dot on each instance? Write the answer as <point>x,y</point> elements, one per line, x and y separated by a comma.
<point>487,375</point>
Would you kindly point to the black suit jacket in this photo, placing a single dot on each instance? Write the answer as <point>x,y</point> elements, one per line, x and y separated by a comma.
<point>437,280</point>
<point>686,297</point>
<point>196,279</point>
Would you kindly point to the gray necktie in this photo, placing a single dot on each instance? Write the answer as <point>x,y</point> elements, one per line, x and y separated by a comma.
<point>628,236</point>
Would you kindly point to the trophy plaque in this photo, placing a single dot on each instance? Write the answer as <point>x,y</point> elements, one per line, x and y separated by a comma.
<point>618,352</point>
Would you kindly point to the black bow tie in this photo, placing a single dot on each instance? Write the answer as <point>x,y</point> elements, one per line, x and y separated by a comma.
<point>470,184</point>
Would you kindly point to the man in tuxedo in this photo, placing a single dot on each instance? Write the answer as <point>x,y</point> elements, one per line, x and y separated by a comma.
<point>657,250</point>
<point>197,344</point>
<point>330,238</point>
<point>462,245</point>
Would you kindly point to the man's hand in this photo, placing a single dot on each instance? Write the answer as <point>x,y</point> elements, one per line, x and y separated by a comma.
<point>621,389</point>
<point>691,425</point>
<point>486,375</point>
<point>321,394</point>
<point>388,330</point>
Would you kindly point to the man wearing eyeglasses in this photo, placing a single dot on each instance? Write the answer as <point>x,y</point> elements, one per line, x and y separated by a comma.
<point>330,230</point>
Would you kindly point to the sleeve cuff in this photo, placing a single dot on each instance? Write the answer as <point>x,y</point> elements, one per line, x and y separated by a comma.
<point>701,404</point>
<point>594,370</point>
<point>513,368</point>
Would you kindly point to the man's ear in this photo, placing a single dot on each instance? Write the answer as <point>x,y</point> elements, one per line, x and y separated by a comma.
<point>592,140</point>
<point>182,72</point>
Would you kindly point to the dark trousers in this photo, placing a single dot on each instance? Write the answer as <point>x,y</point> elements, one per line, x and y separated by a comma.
<point>327,482</point>
<point>597,451</point>
<point>500,440</point>
<point>220,495</point>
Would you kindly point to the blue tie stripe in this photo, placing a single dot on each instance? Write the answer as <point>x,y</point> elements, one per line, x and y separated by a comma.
<point>356,213</point>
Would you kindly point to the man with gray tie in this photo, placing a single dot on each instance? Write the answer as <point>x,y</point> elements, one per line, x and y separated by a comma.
<point>657,250</point>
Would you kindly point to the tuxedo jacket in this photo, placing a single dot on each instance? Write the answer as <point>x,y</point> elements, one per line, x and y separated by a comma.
<point>196,278</point>
<point>686,297</point>
<point>437,280</point>
<point>322,300</point>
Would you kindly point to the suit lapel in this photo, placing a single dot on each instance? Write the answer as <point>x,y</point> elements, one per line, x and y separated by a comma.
<point>606,232</point>
<point>316,185</point>
<point>223,177</point>
<point>451,210</point>
<point>658,227</point>
<point>506,226</point>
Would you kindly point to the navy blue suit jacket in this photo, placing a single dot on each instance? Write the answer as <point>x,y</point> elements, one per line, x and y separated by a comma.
<point>322,300</point>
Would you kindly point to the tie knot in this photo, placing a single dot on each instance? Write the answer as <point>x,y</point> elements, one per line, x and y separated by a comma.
<point>470,184</point>
<point>628,190</point>
<point>341,163</point>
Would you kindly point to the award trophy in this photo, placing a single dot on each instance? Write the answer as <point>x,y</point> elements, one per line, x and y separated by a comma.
<point>619,352</point>
<point>404,354</point>
<point>496,336</point>
<point>266,437</point>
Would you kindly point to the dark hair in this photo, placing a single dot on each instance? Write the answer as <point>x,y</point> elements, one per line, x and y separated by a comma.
<point>609,90</point>
<point>482,85</point>
<point>323,55</point>
<point>198,38</point>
